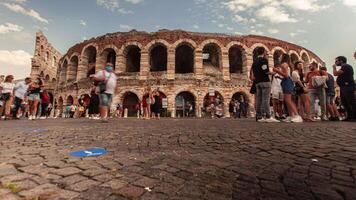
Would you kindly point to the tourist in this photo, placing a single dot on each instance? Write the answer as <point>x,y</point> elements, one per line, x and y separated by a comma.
<point>146,103</point>
<point>157,105</point>
<point>20,96</point>
<point>34,98</point>
<point>94,105</point>
<point>301,92</point>
<point>7,93</point>
<point>316,82</point>
<point>340,108</point>
<point>67,111</point>
<point>232,109</point>
<point>288,89</point>
<point>277,95</point>
<point>45,101</point>
<point>263,87</point>
<point>345,79</point>
<point>118,110</point>
<point>107,81</point>
<point>330,97</point>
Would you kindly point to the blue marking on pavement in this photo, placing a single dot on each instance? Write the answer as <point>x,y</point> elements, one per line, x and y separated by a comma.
<point>93,152</point>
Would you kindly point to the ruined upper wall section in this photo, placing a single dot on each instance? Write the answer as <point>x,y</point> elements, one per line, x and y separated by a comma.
<point>119,39</point>
<point>45,60</point>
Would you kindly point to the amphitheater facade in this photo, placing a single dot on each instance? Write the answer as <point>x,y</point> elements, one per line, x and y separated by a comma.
<point>188,66</point>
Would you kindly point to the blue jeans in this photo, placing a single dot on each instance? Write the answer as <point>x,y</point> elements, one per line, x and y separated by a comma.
<point>263,95</point>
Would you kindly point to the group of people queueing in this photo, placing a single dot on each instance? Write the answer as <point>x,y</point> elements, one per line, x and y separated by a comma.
<point>297,95</point>
<point>26,98</point>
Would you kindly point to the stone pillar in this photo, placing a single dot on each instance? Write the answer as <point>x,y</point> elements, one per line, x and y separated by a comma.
<point>270,61</point>
<point>145,65</point>
<point>171,105</point>
<point>171,65</point>
<point>120,63</point>
<point>225,65</point>
<point>248,63</point>
<point>82,69</point>
<point>199,71</point>
<point>100,63</point>
<point>226,108</point>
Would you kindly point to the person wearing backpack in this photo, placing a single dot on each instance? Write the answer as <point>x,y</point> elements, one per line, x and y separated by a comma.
<point>316,83</point>
<point>106,85</point>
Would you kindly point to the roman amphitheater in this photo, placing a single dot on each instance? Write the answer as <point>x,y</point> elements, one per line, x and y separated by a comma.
<point>185,66</point>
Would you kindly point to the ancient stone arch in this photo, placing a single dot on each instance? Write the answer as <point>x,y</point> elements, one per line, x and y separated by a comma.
<point>294,56</point>
<point>88,60</point>
<point>63,72</point>
<point>158,55</point>
<point>131,56</point>
<point>255,45</point>
<point>179,42</point>
<point>237,57</point>
<point>108,55</point>
<point>212,55</point>
<point>185,57</point>
<point>73,68</point>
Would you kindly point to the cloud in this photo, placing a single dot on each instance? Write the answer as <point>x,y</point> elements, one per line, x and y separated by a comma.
<point>273,31</point>
<point>349,2</point>
<point>16,62</point>
<point>111,5</point>
<point>274,15</point>
<point>134,1</point>
<point>83,23</point>
<point>196,26</point>
<point>256,32</point>
<point>29,12</point>
<point>125,27</point>
<point>9,28</point>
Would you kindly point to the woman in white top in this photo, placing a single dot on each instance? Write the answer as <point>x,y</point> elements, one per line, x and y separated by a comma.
<point>7,93</point>
<point>288,89</point>
<point>277,95</point>
<point>301,92</point>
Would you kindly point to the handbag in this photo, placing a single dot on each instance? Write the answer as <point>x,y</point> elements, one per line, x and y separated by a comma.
<point>319,82</point>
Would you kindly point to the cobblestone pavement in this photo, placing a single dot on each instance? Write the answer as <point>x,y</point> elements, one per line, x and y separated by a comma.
<point>177,159</point>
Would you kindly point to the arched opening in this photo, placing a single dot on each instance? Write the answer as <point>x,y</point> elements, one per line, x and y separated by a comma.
<point>47,78</point>
<point>211,57</point>
<point>89,60</point>
<point>70,100</point>
<point>130,103</point>
<point>276,55</point>
<point>63,72</point>
<point>235,59</point>
<point>255,55</point>
<point>53,80</point>
<point>42,76</point>
<point>306,61</point>
<point>214,104</point>
<point>59,106</point>
<point>184,59</point>
<point>109,56</point>
<point>294,58</point>
<point>158,58</point>
<point>185,104</point>
<point>133,58</point>
<point>240,96</point>
<point>73,69</point>
<point>47,56</point>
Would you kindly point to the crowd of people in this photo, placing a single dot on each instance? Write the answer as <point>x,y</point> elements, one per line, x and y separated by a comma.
<point>299,96</point>
<point>283,93</point>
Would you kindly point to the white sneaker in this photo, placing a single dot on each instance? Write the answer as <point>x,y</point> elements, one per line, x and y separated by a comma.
<point>297,119</point>
<point>271,120</point>
<point>263,120</point>
<point>30,117</point>
<point>43,118</point>
<point>287,120</point>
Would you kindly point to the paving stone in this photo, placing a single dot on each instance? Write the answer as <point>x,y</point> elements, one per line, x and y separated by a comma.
<point>131,191</point>
<point>67,171</point>
<point>83,185</point>
<point>6,170</point>
<point>115,184</point>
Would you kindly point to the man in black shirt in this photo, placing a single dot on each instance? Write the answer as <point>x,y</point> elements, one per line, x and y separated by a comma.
<point>263,86</point>
<point>345,79</point>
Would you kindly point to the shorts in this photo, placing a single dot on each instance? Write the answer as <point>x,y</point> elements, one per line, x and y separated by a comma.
<point>277,94</point>
<point>330,99</point>
<point>34,97</point>
<point>105,99</point>
<point>287,86</point>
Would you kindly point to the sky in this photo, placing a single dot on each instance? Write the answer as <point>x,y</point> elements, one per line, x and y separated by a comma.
<point>326,27</point>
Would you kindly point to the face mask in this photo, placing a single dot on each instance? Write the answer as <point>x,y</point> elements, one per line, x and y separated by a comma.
<point>109,68</point>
